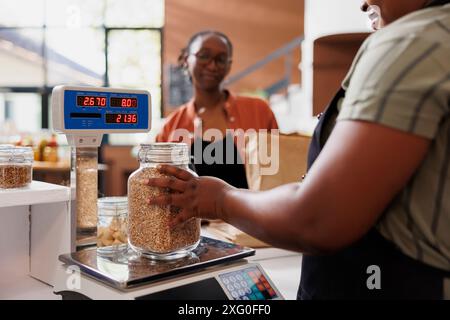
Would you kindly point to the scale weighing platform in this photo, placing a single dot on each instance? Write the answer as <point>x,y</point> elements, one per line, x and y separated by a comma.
<point>215,270</point>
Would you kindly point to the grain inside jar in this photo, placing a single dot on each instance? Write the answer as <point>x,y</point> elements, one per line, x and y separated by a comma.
<point>15,175</point>
<point>86,187</point>
<point>149,224</point>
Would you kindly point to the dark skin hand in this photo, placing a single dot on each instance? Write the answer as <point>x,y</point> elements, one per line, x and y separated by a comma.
<point>343,195</point>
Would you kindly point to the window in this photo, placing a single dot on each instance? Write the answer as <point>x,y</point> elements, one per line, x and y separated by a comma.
<point>20,112</point>
<point>44,43</point>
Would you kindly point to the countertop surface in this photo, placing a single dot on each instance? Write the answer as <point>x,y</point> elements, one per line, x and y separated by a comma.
<point>283,268</point>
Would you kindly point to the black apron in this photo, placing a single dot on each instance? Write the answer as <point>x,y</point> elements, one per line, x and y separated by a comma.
<point>231,171</point>
<point>344,275</point>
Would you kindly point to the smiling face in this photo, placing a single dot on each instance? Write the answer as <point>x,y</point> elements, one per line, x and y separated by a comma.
<point>208,61</point>
<point>391,10</point>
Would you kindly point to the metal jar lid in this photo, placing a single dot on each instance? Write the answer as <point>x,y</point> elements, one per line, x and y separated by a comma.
<point>113,206</point>
<point>11,154</point>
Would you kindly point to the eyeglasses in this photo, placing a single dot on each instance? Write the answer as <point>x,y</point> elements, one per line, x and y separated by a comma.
<point>204,58</point>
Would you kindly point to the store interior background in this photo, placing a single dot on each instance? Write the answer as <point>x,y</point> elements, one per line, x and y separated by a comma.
<point>293,53</point>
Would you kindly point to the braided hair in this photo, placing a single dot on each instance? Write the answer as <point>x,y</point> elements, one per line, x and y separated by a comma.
<point>185,51</point>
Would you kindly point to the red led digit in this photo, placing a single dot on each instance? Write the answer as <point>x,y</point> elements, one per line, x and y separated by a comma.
<point>86,101</point>
<point>124,103</point>
<point>133,118</point>
<point>133,103</point>
<point>119,116</point>
<point>101,102</point>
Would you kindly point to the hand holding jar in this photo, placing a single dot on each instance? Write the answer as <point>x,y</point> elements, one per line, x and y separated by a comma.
<point>197,197</point>
<point>149,228</point>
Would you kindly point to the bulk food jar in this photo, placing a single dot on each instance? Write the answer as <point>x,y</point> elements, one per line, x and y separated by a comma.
<point>148,225</point>
<point>16,166</point>
<point>112,225</point>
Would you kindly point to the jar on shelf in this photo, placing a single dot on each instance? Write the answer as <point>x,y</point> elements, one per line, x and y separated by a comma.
<point>148,225</point>
<point>112,225</point>
<point>16,166</point>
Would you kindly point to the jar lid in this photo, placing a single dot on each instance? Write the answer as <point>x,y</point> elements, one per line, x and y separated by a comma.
<point>113,205</point>
<point>11,154</point>
<point>164,152</point>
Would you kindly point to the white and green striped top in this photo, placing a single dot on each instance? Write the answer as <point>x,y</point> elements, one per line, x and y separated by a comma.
<point>401,79</point>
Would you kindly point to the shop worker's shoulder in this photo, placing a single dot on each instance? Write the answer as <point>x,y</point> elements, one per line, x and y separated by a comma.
<point>178,113</point>
<point>251,102</point>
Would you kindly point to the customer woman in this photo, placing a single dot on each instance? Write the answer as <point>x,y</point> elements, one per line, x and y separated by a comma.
<point>208,59</point>
<point>373,213</point>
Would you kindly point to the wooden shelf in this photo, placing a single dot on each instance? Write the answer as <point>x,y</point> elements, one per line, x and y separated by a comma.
<point>51,166</point>
<point>63,166</point>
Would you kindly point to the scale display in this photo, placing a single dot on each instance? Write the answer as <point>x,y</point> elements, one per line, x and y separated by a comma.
<point>91,101</point>
<point>121,118</point>
<point>124,102</point>
<point>106,110</point>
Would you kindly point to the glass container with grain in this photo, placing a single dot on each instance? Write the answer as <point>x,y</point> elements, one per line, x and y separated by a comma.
<point>16,166</point>
<point>148,225</point>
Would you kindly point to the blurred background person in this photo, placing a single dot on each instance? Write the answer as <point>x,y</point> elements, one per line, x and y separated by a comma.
<point>208,58</point>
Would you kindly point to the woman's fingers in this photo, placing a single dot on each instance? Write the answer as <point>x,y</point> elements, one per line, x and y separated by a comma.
<point>167,182</point>
<point>175,171</point>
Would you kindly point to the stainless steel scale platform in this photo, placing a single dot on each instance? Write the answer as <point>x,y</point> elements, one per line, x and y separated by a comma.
<point>214,270</point>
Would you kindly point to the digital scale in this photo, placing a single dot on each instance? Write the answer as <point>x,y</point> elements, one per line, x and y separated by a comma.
<point>214,270</point>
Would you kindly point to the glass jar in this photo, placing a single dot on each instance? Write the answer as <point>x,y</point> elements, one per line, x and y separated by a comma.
<point>148,225</point>
<point>86,183</point>
<point>112,225</point>
<point>16,166</point>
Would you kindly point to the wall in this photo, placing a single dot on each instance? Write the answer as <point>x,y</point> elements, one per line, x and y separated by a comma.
<point>256,28</point>
<point>322,18</point>
<point>325,17</point>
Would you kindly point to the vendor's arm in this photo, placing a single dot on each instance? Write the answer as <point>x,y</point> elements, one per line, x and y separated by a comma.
<point>362,167</point>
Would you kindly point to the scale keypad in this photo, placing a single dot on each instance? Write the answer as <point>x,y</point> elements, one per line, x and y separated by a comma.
<point>248,284</point>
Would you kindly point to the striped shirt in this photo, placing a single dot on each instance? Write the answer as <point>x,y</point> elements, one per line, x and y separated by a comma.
<point>401,79</point>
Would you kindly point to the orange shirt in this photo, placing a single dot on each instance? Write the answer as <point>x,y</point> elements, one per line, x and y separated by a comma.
<point>241,112</point>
